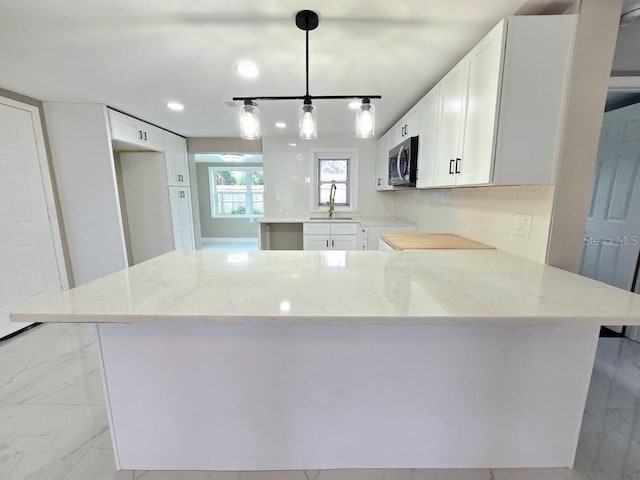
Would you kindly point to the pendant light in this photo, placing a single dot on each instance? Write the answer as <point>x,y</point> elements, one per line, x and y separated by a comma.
<point>365,120</point>
<point>307,20</point>
<point>249,121</point>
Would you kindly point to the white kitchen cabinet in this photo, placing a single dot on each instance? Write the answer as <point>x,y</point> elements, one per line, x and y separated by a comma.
<point>131,134</point>
<point>501,108</point>
<point>176,160</point>
<point>382,164</point>
<point>473,166</point>
<point>428,138</point>
<point>408,126</point>
<point>181,218</point>
<point>330,236</point>
<point>451,124</point>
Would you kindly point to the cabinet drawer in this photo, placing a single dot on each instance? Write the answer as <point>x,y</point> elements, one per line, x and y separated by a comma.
<point>318,228</point>
<point>344,228</point>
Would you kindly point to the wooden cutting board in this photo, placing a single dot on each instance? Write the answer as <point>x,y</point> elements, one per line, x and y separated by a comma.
<point>424,241</point>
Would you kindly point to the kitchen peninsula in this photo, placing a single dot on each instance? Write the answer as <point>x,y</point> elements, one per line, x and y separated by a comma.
<point>315,360</point>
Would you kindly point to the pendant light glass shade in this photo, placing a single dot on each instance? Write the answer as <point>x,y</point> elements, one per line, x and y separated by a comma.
<point>249,121</point>
<point>307,121</point>
<point>366,120</point>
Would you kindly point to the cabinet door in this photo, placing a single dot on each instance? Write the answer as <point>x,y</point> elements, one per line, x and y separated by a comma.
<point>485,62</point>
<point>131,134</point>
<point>125,128</point>
<point>177,163</point>
<point>382,164</point>
<point>452,109</point>
<point>344,242</point>
<point>315,242</point>
<point>181,218</point>
<point>428,138</point>
<point>412,123</point>
<point>186,221</point>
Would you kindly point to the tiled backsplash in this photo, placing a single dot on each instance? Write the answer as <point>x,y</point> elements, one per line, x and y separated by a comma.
<point>287,171</point>
<point>485,214</point>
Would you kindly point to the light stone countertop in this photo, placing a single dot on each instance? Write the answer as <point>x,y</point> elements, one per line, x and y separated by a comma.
<point>435,287</point>
<point>369,221</point>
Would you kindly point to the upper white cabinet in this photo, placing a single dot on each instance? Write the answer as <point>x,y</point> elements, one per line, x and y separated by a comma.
<point>469,105</point>
<point>382,164</point>
<point>176,157</point>
<point>428,136</point>
<point>407,127</point>
<point>130,134</point>
<point>496,117</point>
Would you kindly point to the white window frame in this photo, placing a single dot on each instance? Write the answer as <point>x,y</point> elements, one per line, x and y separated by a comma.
<point>352,195</point>
<point>249,198</point>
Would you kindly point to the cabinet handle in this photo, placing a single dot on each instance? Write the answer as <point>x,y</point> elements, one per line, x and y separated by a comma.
<point>327,243</point>
<point>332,244</point>
<point>145,135</point>
<point>458,165</point>
<point>379,181</point>
<point>140,132</point>
<point>451,166</point>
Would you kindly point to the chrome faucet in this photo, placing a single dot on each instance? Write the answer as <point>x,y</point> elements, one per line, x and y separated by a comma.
<point>332,198</point>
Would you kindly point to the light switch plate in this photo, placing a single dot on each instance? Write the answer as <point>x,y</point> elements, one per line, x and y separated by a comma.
<point>522,225</point>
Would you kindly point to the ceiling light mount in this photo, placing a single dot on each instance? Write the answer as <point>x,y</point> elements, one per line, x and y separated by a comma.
<point>307,20</point>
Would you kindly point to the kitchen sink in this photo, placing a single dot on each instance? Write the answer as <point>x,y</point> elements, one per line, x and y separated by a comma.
<point>331,219</point>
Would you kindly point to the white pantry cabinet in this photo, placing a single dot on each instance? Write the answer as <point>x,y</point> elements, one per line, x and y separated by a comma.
<point>181,218</point>
<point>177,163</point>
<point>130,134</point>
<point>330,236</point>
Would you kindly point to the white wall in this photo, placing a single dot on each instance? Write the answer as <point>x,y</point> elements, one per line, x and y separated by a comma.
<point>485,214</point>
<point>287,170</point>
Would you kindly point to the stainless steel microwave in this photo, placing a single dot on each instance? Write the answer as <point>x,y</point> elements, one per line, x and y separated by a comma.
<point>403,163</point>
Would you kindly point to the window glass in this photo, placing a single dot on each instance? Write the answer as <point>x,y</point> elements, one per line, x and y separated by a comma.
<point>236,192</point>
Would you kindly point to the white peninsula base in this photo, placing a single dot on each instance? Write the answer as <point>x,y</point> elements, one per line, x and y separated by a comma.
<point>267,397</point>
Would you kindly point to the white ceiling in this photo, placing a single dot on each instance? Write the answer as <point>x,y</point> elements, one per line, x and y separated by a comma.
<point>136,55</point>
<point>626,59</point>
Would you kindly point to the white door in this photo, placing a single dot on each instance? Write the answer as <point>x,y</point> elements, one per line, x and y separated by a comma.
<point>612,238</point>
<point>452,107</point>
<point>28,247</point>
<point>485,62</point>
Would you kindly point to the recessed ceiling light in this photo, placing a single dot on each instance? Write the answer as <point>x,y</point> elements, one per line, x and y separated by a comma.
<point>247,69</point>
<point>355,105</point>
<point>175,106</point>
<point>293,144</point>
<point>232,157</point>
<point>281,125</point>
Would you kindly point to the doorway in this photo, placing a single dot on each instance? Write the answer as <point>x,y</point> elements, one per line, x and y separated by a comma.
<point>612,237</point>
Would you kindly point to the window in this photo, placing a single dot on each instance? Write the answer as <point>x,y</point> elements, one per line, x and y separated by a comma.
<point>236,192</point>
<point>330,171</point>
<point>334,166</point>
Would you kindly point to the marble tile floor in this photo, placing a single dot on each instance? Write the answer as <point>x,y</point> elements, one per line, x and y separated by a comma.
<point>53,423</point>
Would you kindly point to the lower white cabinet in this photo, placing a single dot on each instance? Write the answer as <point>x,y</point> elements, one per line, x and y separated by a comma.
<point>330,236</point>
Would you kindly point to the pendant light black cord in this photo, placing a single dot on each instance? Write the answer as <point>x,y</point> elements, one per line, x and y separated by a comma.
<point>307,20</point>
